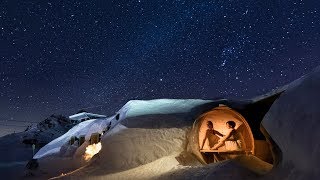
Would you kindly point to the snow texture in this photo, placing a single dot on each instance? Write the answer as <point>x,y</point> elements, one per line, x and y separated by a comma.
<point>133,108</point>
<point>293,123</point>
<point>161,106</point>
<point>85,128</point>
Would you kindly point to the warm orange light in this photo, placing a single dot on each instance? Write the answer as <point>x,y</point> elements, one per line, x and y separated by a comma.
<point>91,150</point>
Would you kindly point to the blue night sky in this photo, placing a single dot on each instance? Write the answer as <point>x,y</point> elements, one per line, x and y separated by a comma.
<point>63,56</point>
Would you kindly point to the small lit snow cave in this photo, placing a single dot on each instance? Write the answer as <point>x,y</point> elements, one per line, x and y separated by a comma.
<point>219,116</point>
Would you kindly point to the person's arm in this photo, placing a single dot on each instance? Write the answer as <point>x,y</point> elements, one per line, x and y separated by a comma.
<point>221,141</point>
<point>218,133</point>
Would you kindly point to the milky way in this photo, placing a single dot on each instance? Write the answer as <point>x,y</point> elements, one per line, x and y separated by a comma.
<point>62,56</point>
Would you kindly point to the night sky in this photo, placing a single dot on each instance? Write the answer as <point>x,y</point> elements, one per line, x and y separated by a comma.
<point>57,57</point>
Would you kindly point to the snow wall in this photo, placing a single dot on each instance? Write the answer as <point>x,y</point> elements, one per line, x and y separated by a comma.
<point>293,122</point>
<point>85,128</point>
<point>160,113</point>
<point>151,130</point>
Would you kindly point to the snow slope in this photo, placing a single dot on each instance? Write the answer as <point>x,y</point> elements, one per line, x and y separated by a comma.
<point>85,128</point>
<point>130,110</point>
<point>141,132</point>
<point>294,124</point>
<point>42,133</point>
<point>16,148</point>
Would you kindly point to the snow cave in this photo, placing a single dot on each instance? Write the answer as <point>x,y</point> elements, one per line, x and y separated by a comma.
<point>251,139</point>
<point>219,116</point>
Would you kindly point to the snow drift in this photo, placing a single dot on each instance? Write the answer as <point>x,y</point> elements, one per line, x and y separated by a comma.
<point>293,123</point>
<point>126,114</point>
<point>85,128</point>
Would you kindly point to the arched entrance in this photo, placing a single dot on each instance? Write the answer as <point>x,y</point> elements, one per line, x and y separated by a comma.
<point>219,116</point>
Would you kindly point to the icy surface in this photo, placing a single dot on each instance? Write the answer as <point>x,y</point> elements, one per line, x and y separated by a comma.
<point>161,106</point>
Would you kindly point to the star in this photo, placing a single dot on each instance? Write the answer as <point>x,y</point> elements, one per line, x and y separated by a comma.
<point>92,54</point>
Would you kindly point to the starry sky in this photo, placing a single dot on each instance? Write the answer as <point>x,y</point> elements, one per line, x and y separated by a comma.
<point>57,57</point>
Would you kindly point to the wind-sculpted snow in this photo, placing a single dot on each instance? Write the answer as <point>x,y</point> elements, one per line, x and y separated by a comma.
<point>130,110</point>
<point>84,128</point>
<point>131,147</point>
<point>162,106</point>
<point>293,123</point>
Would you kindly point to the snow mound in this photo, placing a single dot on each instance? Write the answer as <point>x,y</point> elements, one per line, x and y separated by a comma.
<point>85,128</point>
<point>293,123</point>
<point>225,170</point>
<point>161,106</point>
<point>127,116</point>
<point>46,130</point>
<point>133,147</point>
<point>149,130</point>
<point>135,152</point>
<point>20,144</point>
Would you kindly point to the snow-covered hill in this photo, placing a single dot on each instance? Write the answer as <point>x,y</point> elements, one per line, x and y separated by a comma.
<point>16,149</point>
<point>46,130</point>
<point>39,134</point>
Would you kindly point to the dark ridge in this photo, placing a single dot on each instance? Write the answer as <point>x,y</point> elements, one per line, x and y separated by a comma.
<point>255,112</point>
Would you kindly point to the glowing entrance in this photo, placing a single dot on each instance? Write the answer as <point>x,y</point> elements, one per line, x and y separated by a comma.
<point>240,142</point>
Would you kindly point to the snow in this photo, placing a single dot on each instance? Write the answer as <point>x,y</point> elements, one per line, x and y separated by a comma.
<point>133,130</point>
<point>161,106</point>
<point>293,123</point>
<point>132,147</point>
<point>146,137</point>
<point>85,115</point>
<point>85,128</point>
<point>136,152</point>
<point>133,108</point>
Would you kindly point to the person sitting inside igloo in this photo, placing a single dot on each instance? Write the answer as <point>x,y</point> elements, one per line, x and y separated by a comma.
<point>211,135</point>
<point>231,140</point>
